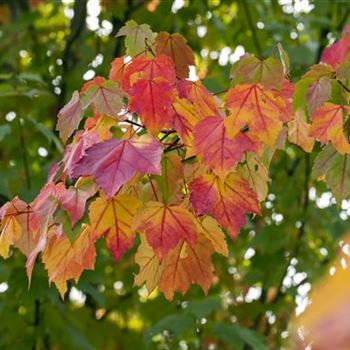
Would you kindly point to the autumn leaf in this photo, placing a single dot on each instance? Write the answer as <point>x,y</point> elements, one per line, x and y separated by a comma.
<point>106,98</point>
<point>152,100</point>
<point>186,117</point>
<point>298,132</point>
<point>69,117</point>
<point>261,111</point>
<point>146,68</point>
<point>118,67</point>
<point>221,153</point>
<point>113,217</point>
<point>182,266</point>
<point>112,163</point>
<point>44,205</point>
<point>337,52</point>
<point>174,46</point>
<point>327,125</point>
<point>18,228</point>
<point>257,174</point>
<point>253,70</point>
<point>211,230</point>
<point>150,267</point>
<point>204,102</point>
<point>165,226</point>
<point>77,149</point>
<point>318,93</point>
<point>64,260</point>
<point>226,200</point>
<point>74,198</point>
<point>185,265</point>
<point>138,36</point>
<point>334,169</point>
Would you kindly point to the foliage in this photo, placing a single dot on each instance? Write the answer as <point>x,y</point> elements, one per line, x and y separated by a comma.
<point>173,166</point>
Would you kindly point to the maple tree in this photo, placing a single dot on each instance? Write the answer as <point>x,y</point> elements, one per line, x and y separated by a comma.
<point>151,153</point>
<point>270,257</point>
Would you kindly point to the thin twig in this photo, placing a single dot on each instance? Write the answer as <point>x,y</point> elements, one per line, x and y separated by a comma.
<point>343,86</point>
<point>153,189</point>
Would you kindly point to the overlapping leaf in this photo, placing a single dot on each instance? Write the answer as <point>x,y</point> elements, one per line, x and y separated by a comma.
<point>183,266</point>
<point>327,125</point>
<point>105,96</point>
<point>174,46</point>
<point>69,117</point>
<point>261,111</point>
<point>112,163</point>
<point>165,226</point>
<point>334,169</point>
<point>226,200</point>
<point>64,260</point>
<point>204,102</point>
<point>113,217</point>
<point>298,132</point>
<point>221,153</point>
<point>137,37</point>
<point>253,70</point>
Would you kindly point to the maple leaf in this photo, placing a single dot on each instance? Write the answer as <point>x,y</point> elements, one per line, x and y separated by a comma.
<point>337,52</point>
<point>165,226</point>
<point>260,110</point>
<point>226,200</point>
<point>138,37</point>
<point>257,174</point>
<point>101,126</point>
<point>185,265</point>
<point>313,89</point>
<point>64,260</point>
<point>150,267</point>
<point>19,226</point>
<point>221,153</point>
<point>318,93</point>
<point>152,101</point>
<point>174,46</point>
<point>334,169</point>
<point>74,198</point>
<point>211,230</point>
<point>44,205</point>
<point>185,119</point>
<point>143,67</point>
<point>252,70</point>
<point>113,217</point>
<point>118,67</point>
<point>77,149</point>
<point>69,117</point>
<point>112,163</point>
<point>204,102</point>
<point>106,98</point>
<point>327,125</point>
<point>298,132</point>
<point>104,95</point>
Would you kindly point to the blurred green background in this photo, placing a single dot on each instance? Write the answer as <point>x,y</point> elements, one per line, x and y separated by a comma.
<point>48,49</point>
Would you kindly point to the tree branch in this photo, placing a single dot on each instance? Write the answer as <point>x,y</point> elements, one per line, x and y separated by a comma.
<point>251,27</point>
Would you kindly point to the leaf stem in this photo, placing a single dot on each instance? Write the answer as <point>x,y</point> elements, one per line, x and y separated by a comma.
<point>153,189</point>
